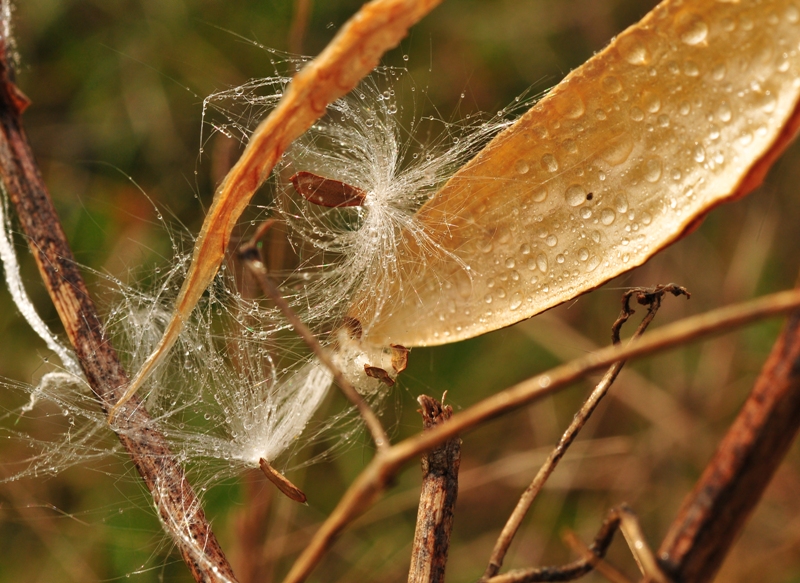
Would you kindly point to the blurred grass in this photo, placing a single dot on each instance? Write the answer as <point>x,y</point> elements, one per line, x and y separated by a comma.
<point>117,89</point>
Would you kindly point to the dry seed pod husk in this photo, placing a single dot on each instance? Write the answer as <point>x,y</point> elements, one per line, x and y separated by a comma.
<point>681,112</point>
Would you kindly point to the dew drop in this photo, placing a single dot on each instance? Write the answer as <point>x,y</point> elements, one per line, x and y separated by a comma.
<point>600,114</point>
<point>607,216</point>
<point>663,120</point>
<point>551,240</point>
<point>792,14</point>
<point>693,29</point>
<point>699,154</point>
<point>651,102</point>
<point>684,108</point>
<point>570,146</point>
<point>768,102</point>
<point>583,254</point>
<point>718,73</point>
<point>525,249</point>
<point>652,170</point>
<point>593,263</point>
<point>560,258</point>
<point>541,262</point>
<point>575,195</point>
<point>521,167</point>
<point>488,298</point>
<point>550,163</point>
<point>510,263</point>
<point>646,218</point>
<point>633,49</point>
<point>570,105</point>
<point>515,302</point>
<point>690,69</point>
<point>612,85</point>
<point>745,138</point>
<point>621,204</point>
<point>724,112</point>
<point>618,150</point>
<point>637,114</point>
<point>539,194</point>
<point>727,24</point>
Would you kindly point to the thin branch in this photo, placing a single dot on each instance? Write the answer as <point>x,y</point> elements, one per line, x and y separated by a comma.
<point>369,485</point>
<point>621,518</point>
<point>177,504</point>
<point>250,256</point>
<point>646,296</point>
<point>297,30</point>
<point>715,511</point>
<point>437,500</point>
<point>600,565</point>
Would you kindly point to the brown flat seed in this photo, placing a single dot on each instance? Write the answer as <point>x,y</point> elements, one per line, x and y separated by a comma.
<point>399,358</point>
<point>282,483</point>
<point>326,191</point>
<point>378,373</point>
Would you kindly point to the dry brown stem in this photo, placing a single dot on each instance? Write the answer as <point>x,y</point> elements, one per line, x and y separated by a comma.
<point>177,504</point>
<point>714,512</point>
<point>369,485</point>
<point>600,565</point>
<point>437,499</point>
<point>621,518</point>
<point>652,298</point>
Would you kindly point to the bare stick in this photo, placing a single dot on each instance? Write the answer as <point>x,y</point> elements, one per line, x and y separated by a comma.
<point>377,27</point>
<point>600,565</point>
<point>646,296</point>
<point>368,486</point>
<point>715,511</point>
<point>252,259</point>
<point>622,518</point>
<point>297,30</point>
<point>437,500</point>
<point>175,500</point>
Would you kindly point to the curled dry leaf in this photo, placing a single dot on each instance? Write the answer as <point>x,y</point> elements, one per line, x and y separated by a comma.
<point>681,112</point>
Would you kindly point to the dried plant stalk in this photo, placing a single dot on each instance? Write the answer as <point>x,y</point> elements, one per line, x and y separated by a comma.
<point>177,504</point>
<point>651,297</point>
<point>437,499</point>
<point>732,484</point>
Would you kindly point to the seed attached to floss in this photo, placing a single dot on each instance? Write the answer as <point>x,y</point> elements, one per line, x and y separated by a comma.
<point>326,191</point>
<point>399,357</point>
<point>377,372</point>
<point>281,482</point>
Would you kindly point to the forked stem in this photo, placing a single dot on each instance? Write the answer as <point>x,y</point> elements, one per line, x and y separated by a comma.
<point>651,297</point>
<point>621,518</point>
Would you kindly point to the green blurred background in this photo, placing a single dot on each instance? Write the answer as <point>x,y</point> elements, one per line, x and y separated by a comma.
<point>116,90</point>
